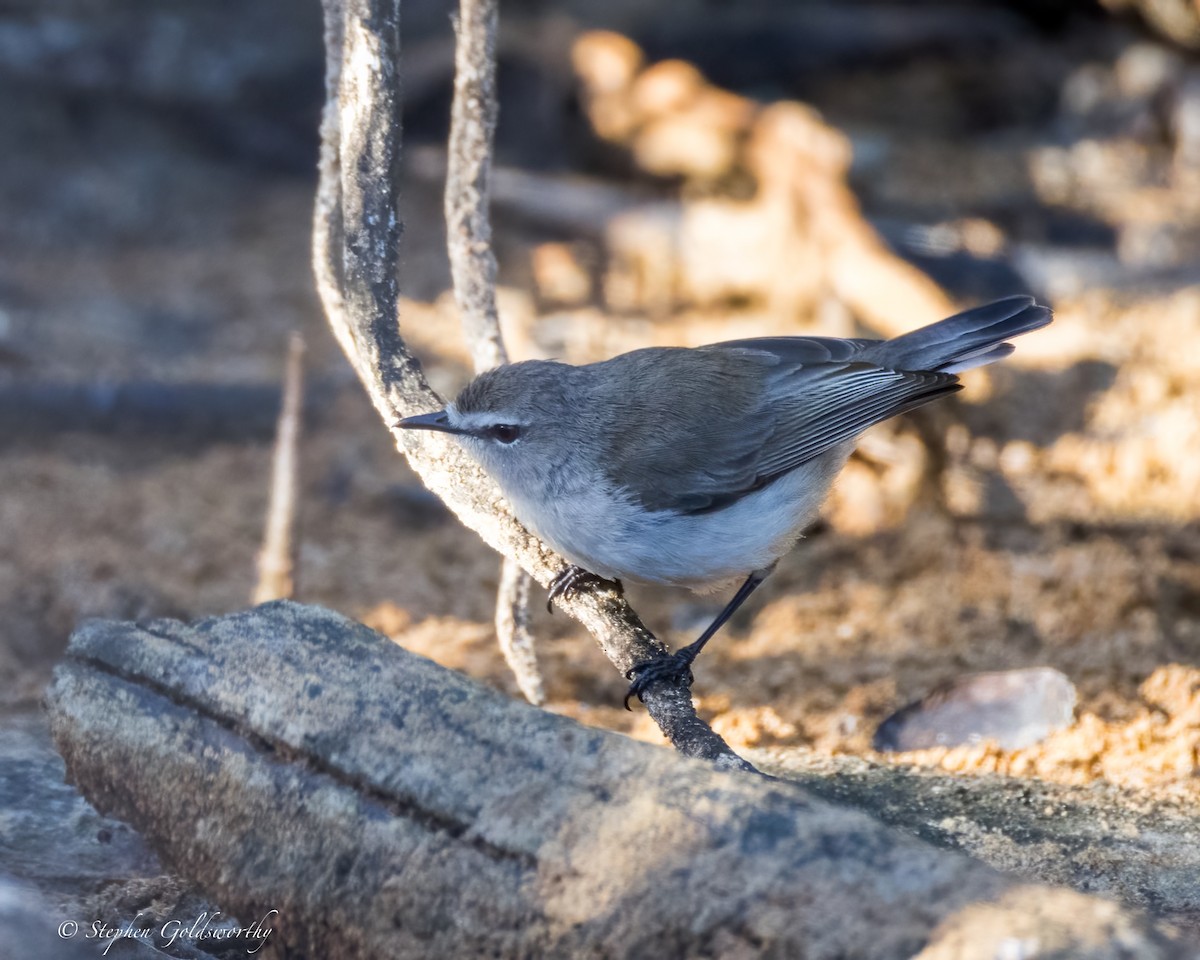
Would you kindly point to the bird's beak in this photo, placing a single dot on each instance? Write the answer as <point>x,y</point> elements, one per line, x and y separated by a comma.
<point>429,421</point>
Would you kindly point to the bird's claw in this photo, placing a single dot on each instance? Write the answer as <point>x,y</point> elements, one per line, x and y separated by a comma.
<point>572,578</point>
<point>672,668</point>
<point>567,581</point>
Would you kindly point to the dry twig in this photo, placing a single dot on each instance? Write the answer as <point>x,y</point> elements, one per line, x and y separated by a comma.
<point>512,631</point>
<point>356,240</point>
<point>277,559</point>
<point>468,177</point>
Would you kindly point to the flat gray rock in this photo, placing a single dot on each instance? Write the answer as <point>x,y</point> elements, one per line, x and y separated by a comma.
<point>1098,839</point>
<point>72,879</point>
<point>1015,708</point>
<point>50,837</point>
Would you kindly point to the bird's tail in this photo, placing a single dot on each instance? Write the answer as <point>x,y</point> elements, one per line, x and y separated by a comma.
<point>966,340</point>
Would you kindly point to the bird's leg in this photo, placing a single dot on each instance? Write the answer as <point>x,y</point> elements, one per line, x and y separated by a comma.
<point>678,665</point>
<point>570,579</point>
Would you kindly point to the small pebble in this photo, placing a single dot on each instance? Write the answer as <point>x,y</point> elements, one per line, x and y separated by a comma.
<point>1015,708</point>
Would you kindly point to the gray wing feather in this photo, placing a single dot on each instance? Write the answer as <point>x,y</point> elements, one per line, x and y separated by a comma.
<point>753,416</point>
<point>838,403</point>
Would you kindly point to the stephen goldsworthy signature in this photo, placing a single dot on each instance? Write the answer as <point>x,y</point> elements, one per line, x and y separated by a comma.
<point>206,926</point>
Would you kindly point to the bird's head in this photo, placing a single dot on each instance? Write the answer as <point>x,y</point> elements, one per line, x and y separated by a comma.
<point>516,420</point>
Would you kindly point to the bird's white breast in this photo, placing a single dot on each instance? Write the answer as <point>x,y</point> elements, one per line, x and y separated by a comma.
<point>603,530</point>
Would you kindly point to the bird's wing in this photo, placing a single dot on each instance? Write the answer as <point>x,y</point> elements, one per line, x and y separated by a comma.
<point>816,408</point>
<point>700,429</point>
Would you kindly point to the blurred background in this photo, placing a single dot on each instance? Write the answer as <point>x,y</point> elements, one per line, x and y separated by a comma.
<point>671,173</point>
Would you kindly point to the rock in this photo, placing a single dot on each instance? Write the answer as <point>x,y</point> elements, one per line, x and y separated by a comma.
<point>49,835</point>
<point>686,145</point>
<point>797,237</point>
<point>74,878</point>
<point>24,920</point>
<point>606,62</point>
<point>287,758</point>
<point>1099,839</point>
<point>1015,708</point>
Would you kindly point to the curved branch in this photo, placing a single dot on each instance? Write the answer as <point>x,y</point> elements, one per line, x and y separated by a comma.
<point>356,240</point>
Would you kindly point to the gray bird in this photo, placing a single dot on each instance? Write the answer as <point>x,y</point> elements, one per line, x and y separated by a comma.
<point>699,467</point>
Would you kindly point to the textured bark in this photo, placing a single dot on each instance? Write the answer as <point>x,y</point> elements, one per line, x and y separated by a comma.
<point>512,631</point>
<point>473,269</point>
<point>287,758</point>
<point>468,181</point>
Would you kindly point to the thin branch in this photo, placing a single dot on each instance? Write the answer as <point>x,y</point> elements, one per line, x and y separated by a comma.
<point>473,269</point>
<point>468,178</point>
<point>512,631</point>
<point>277,559</point>
<point>355,258</point>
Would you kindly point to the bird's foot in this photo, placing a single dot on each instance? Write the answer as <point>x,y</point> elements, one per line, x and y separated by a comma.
<point>672,668</point>
<point>572,578</point>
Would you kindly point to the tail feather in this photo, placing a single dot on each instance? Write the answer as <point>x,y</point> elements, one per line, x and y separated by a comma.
<point>979,358</point>
<point>967,340</point>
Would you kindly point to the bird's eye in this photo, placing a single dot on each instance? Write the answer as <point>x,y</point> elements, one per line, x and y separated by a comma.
<point>505,432</point>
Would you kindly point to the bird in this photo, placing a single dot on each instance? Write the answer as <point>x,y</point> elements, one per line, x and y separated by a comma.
<point>701,467</point>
